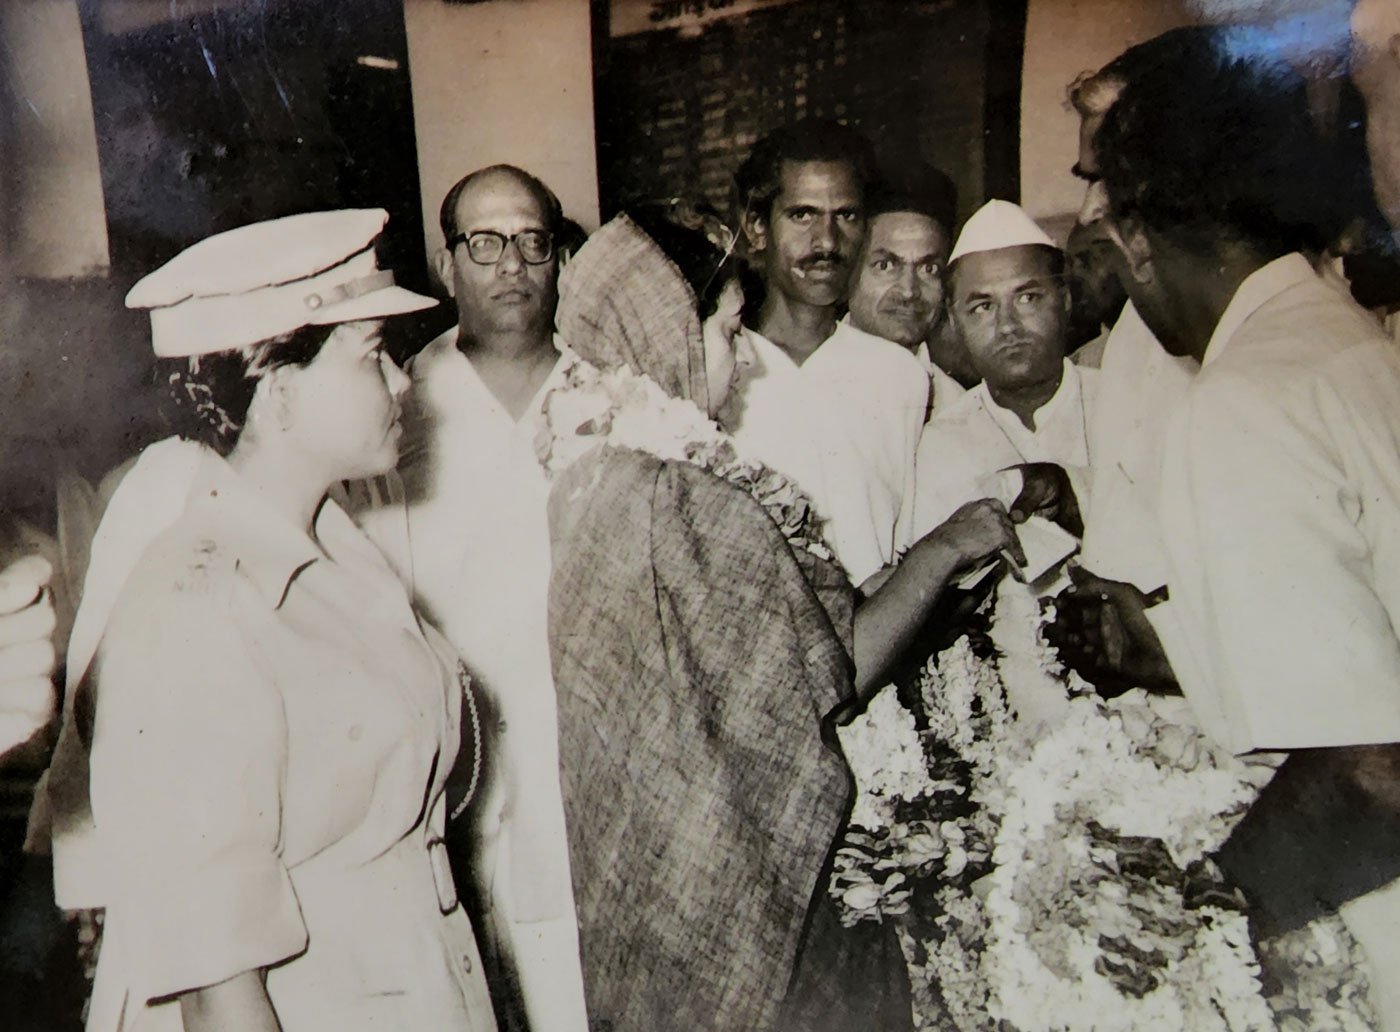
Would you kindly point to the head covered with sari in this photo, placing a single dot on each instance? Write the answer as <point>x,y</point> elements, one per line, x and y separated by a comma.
<point>698,658</point>
<point>624,300</point>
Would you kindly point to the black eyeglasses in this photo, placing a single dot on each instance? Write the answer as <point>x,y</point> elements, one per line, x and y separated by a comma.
<point>485,246</point>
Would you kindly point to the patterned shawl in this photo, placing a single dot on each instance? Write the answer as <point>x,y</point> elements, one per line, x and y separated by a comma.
<point>697,659</point>
<point>623,302</point>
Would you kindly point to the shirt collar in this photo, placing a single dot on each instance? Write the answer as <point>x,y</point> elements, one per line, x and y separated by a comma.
<point>1066,396</point>
<point>1259,287</point>
<point>443,349</point>
<point>925,359</point>
<point>265,546</point>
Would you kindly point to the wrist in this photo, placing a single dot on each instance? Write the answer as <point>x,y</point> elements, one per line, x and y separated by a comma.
<point>935,559</point>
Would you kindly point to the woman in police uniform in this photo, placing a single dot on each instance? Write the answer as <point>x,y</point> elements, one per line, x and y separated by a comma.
<point>271,726</point>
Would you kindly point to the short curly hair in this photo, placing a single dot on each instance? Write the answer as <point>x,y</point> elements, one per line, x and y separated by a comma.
<point>759,178</point>
<point>1209,140</point>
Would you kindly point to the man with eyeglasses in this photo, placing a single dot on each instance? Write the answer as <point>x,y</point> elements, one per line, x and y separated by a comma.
<point>466,524</point>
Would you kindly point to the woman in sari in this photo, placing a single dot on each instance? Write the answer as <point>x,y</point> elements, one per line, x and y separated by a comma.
<point>269,726</point>
<point>702,638</point>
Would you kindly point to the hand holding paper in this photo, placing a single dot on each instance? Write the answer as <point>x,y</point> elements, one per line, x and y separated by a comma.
<point>1044,546</point>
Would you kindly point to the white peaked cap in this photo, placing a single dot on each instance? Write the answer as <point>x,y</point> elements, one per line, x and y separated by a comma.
<point>995,225</point>
<point>260,281</point>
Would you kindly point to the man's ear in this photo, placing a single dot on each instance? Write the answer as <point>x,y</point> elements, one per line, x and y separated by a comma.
<point>445,267</point>
<point>756,232</point>
<point>1392,47</point>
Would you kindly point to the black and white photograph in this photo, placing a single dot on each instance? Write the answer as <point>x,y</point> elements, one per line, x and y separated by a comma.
<point>700,515</point>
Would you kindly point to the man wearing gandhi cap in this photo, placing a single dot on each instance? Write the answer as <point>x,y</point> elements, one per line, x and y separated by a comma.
<point>1009,303</point>
<point>269,724</point>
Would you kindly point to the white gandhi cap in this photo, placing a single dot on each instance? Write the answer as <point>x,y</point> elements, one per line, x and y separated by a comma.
<point>260,281</point>
<point>995,225</point>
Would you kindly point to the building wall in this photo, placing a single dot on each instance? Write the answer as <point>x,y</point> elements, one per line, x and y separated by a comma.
<point>503,81</point>
<point>54,226</point>
<point>1064,38</point>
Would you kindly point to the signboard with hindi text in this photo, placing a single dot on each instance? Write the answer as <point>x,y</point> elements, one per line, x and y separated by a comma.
<point>628,17</point>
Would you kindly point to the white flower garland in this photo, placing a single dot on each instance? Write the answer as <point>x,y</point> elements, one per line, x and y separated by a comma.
<point>1072,887</point>
<point>622,409</point>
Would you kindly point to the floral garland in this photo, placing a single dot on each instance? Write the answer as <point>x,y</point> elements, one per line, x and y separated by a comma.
<point>1050,867</point>
<point>623,409</point>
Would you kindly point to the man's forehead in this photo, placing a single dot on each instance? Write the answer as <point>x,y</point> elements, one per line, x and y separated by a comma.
<point>1006,268</point>
<point>500,198</point>
<point>907,232</point>
<point>814,180</point>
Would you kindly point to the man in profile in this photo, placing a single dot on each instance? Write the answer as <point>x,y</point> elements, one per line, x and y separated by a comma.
<point>1280,500</point>
<point>836,409</point>
<point>897,291</point>
<point>1010,304</point>
<point>466,526</point>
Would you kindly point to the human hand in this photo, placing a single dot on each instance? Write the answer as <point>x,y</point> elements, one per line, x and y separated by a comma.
<point>1046,491</point>
<point>1102,631</point>
<point>976,532</point>
<point>26,650</point>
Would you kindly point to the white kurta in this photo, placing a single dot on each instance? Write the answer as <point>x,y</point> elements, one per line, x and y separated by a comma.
<point>975,437</point>
<point>1138,388</point>
<point>943,389</point>
<point>272,736</point>
<point>469,532</point>
<point>1281,508</point>
<point>844,424</point>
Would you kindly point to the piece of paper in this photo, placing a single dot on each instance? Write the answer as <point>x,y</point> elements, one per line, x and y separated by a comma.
<point>1045,544</point>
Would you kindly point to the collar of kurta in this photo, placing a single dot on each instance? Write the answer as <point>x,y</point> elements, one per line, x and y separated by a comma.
<point>775,359</point>
<point>441,354</point>
<point>1068,395</point>
<point>267,547</point>
<point>1258,289</point>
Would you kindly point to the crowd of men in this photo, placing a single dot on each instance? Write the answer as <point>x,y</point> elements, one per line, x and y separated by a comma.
<point>1227,450</point>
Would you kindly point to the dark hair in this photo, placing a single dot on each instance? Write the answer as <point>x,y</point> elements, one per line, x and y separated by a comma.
<point>914,186</point>
<point>704,266</point>
<point>759,177</point>
<point>210,394</point>
<point>553,210</point>
<point>1210,141</point>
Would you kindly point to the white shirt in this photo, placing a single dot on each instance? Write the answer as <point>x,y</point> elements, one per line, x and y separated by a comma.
<point>1281,509</point>
<point>975,437</point>
<point>943,389</point>
<point>470,533</point>
<point>844,424</point>
<point>272,735</point>
<point>1139,387</point>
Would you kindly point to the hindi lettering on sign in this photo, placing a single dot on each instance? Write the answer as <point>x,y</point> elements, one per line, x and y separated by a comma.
<point>629,17</point>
